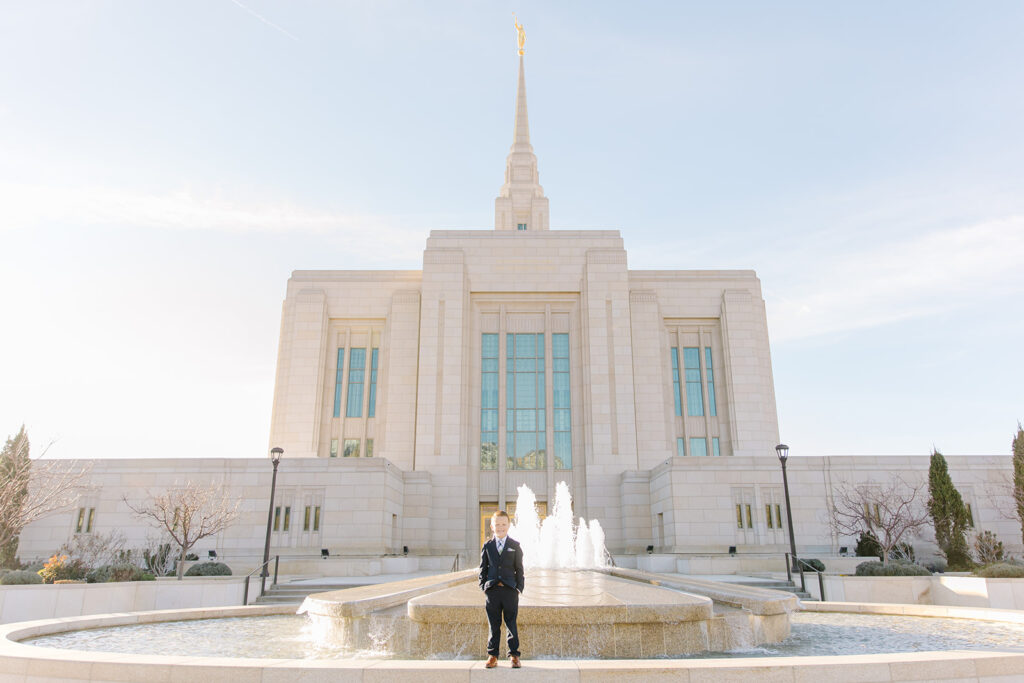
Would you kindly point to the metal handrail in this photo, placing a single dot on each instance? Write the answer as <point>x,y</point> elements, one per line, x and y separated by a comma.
<point>263,576</point>
<point>800,564</point>
<point>789,572</point>
<point>455,564</point>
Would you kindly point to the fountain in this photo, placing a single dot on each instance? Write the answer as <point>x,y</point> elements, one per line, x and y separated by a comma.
<point>574,604</point>
<point>574,616</point>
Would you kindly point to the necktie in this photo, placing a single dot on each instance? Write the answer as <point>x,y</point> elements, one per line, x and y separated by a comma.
<point>501,546</point>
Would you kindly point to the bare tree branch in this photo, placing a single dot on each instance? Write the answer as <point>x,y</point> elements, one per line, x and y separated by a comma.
<point>889,511</point>
<point>31,489</point>
<point>188,513</point>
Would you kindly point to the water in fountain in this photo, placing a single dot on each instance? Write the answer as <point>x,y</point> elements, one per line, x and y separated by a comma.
<point>557,543</point>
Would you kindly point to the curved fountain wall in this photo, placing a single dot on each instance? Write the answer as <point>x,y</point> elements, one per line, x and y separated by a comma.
<point>28,664</point>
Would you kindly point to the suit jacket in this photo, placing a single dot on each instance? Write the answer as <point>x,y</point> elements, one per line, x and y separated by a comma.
<point>507,567</point>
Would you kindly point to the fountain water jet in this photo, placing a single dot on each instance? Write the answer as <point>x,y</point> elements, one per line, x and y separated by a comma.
<point>555,542</point>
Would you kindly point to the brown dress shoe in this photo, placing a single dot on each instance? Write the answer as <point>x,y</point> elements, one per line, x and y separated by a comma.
<point>515,662</point>
<point>492,662</point>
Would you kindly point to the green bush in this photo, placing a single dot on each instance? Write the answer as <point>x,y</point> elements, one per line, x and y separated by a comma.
<point>1001,570</point>
<point>209,569</point>
<point>116,572</point>
<point>20,577</point>
<point>813,563</point>
<point>936,565</point>
<point>867,545</point>
<point>873,568</point>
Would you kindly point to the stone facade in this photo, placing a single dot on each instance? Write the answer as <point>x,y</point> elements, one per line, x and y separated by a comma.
<point>382,406</point>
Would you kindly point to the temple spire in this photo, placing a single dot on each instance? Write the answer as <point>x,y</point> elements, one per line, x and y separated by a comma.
<point>521,204</point>
<point>521,137</point>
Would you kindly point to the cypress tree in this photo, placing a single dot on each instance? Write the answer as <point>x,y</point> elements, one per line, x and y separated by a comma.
<point>12,458</point>
<point>949,514</point>
<point>1018,474</point>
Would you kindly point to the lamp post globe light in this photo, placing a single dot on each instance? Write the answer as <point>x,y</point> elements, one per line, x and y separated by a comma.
<point>275,458</point>
<point>783,452</point>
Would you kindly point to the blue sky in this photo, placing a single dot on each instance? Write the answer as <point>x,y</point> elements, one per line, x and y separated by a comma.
<point>165,166</point>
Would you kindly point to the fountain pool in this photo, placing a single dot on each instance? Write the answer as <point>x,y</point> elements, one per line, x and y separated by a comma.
<point>813,634</point>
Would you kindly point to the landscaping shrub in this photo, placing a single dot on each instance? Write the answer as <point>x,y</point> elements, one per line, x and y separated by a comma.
<point>158,559</point>
<point>936,565</point>
<point>209,569</point>
<point>814,563</point>
<point>873,568</point>
<point>117,572</point>
<point>987,548</point>
<point>59,568</point>
<point>69,581</point>
<point>867,545</point>
<point>20,577</point>
<point>1001,570</point>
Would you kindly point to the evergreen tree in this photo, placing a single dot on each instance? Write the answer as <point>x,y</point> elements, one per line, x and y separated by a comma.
<point>14,460</point>
<point>1018,474</point>
<point>949,514</point>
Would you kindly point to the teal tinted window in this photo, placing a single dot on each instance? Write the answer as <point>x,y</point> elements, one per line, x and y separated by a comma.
<point>489,402</point>
<point>679,447</point>
<point>694,395</point>
<point>715,448</point>
<point>525,419</point>
<point>675,382</point>
<point>337,383</point>
<point>356,373</point>
<point>521,226</point>
<point>371,411</point>
<point>711,382</point>
<point>698,446</point>
<point>562,397</point>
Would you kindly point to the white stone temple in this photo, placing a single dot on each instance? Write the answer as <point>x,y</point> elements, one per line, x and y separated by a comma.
<point>411,404</point>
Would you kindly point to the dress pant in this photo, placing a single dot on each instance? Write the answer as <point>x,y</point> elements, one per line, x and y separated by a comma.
<point>503,601</point>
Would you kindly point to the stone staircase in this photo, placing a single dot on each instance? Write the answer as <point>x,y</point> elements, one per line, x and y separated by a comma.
<point>295,593</point>
<point>778,585</point>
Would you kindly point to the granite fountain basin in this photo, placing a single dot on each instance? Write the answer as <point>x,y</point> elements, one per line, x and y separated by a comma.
<point>562,613</point>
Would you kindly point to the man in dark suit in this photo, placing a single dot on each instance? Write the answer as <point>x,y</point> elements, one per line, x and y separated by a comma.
<point>501,580</point>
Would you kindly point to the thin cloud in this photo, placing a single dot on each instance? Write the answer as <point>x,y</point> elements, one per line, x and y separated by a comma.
<point>265,20</point>
<point>897,280</point>
<point>382,240</point>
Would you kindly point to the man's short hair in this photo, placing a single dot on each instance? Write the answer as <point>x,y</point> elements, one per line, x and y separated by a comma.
<point>500,513</point>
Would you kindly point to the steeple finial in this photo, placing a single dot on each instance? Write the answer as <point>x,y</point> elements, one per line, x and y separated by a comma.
<point>521,204</point>
<point>520,35</point>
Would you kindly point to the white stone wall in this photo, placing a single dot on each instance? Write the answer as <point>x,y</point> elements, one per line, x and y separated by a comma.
<point>371,508</point>
<point>701,494</point>
<point>28,603</point>
<point>361,500</point>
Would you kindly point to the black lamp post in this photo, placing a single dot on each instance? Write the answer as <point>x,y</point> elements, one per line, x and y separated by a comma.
<point>275,457</point>
<point>783,451</point>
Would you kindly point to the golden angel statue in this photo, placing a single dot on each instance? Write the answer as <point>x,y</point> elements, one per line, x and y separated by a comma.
<point>521,34</point>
